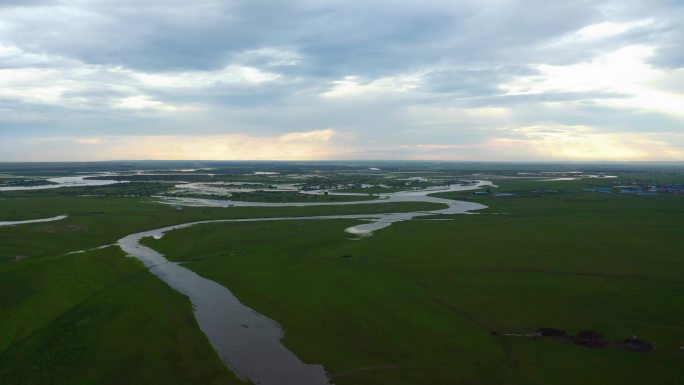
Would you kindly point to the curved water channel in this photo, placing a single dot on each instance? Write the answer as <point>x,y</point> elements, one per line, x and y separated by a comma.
<point>40,220</point>
<point>247,341</point>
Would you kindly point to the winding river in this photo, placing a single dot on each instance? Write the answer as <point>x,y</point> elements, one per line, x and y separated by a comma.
<point>247,341</point>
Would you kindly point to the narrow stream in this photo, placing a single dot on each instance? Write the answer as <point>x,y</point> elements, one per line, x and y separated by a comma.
<point>51,219</point>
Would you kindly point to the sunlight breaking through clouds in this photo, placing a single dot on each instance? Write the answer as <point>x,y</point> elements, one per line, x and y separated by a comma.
<point>309,145</point>
<point>584,143</point>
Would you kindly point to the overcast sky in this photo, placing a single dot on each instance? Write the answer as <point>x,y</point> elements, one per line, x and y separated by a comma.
<point>306,79</point>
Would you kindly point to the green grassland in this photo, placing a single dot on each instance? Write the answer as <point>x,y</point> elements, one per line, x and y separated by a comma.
<point>420,302</point>
<point>99,318</point>
<point>429,301</point>
<point>96,221</point>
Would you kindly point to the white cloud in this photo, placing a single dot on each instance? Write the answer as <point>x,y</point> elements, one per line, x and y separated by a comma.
<point>458,116</point>
<point>355,87</point>
<point>40,85</point>
<point>310,136</point>
<point>626,72</point>
<point>609,29</point>
<point>271,56</point>
<point>618,71</point>
<point>142,102</point>
<point>54,80</point>
<point>435,78</point>
<point>227,76</point>
<point>7,51</point>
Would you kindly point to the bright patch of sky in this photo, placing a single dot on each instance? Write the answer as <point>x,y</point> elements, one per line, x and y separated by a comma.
<point>285,79</point>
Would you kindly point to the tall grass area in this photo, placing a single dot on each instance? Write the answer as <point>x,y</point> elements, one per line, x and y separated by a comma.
<point>430,302</point>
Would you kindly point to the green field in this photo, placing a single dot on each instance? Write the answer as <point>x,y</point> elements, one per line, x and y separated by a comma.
<point>96,221</point>
<point>99,318</point>
<point>420,302</point>
<point>81,318</point>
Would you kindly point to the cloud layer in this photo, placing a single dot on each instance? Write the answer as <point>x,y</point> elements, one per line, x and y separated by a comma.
<point>433,79</point>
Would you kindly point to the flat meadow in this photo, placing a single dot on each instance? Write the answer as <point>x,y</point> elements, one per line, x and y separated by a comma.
<point>448,299</point>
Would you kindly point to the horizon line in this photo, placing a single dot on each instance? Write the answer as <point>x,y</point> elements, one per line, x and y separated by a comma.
<point>352,160</point>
